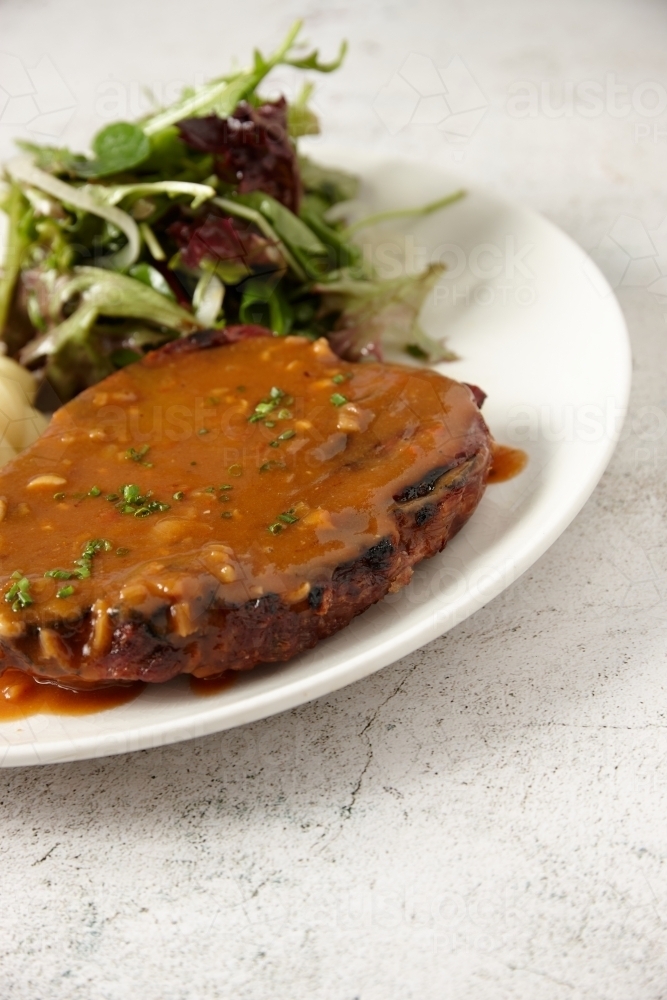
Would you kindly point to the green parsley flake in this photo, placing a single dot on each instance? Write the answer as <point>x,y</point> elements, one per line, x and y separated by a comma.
<point>287,517</point>
<point>338,399</point>
<point>84,565</point>
<point>65,591</point>
<point>19,595</point>
<point>138,454</point>
<point>285,436</point>
<point>132,501</point>
<point>277,397</point>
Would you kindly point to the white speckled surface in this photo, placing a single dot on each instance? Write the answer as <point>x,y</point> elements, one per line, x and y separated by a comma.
<point>485,818</point>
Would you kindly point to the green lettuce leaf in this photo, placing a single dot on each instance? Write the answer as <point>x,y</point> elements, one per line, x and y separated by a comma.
<point>372,315</point>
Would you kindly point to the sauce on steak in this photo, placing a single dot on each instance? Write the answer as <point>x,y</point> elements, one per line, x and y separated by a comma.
<point>230,499</point>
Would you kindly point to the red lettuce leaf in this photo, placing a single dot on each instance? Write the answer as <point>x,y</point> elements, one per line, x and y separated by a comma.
<point>219,239</point>
<point>252,149</point>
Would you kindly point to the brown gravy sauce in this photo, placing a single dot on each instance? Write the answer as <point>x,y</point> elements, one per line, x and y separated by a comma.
<point>21,696</point>
<point>506,463</point>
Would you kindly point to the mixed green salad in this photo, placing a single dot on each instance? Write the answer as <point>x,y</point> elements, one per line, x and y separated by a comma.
<point>201,215</point>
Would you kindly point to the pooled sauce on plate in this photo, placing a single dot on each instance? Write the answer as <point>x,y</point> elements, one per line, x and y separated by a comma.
<point>506,463</point>
<point>21,695</point>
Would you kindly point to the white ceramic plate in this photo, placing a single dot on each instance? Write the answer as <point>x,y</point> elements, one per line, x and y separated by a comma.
<point>535,325</point>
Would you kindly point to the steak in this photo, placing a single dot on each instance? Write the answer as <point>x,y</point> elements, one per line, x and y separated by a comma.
<point>229,500</point>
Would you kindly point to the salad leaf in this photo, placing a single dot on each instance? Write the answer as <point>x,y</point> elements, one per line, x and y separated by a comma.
<point>224,94</point>
<point>405,213</point>
<point>108,294</point>
<point>301,120</point>
<point>288,226</point>
<point>312,61</point>
<point>118,147</point>
<point>151,276</point>
<point>264,303</point>
<point>327,183</point>
<point>22,170</point>
<point>222,243</point>
<point>200,214</point>
<point>235,207</point>
<point>373,314</point>
<point>252,149</point>
<point>16,206</point>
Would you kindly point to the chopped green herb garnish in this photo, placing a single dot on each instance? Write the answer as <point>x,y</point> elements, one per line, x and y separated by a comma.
<point>132,501</point>
<point>224,498</point>
<point>60,574</point>
<point>203,430</point>
<point>226,513</point>
<point>59,496</point>
<point>94,491</point>
<point>18,594</point>
<point>287,517</point>
<point>338,399</point>
<point>213,400</point>
<point>266,406</point>
<point>178,496</point>
<point>272,465</point>
<point>226,486</point>
<point>269,423</point>
<point>137,455</point>
<point>85,563</point>
<point>112,496</point>
<point>209,489</point>
<point>284,415</point>
<point>65,591</point>
<point>122,551</point>
<point>341,377</point>
<point>285,436</point>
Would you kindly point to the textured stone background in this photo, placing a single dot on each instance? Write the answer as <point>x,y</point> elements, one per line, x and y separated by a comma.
<point>485,818</point>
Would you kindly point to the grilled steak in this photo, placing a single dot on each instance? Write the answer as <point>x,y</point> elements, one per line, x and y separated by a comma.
<point>231,499</point>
